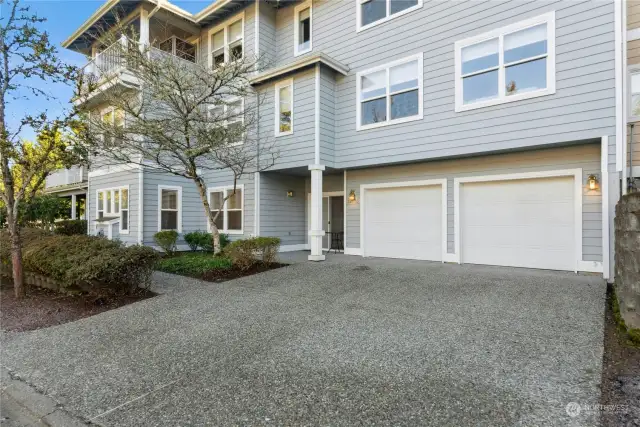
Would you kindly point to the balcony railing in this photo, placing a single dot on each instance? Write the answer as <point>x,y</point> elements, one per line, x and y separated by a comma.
<point>73,175</point>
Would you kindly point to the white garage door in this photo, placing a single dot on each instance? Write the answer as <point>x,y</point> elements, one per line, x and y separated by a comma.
<point>403,222</point>
<point>520,223</point>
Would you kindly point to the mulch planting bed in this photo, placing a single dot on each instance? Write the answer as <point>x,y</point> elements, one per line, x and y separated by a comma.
<point>620,375</point>
<point>221,275</point>
<point>44,307</point>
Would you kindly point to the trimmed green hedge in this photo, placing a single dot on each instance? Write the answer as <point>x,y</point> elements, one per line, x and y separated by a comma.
<point>89,263</point>
<point>193,264</point>
<point>245,252</point>
<point>204,241</point>
<point>166,240</point>
<point>71,227</point>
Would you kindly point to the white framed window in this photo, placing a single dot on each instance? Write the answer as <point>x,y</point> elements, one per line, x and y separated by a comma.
<point>113,203</point>
<point>226,41</point>
<point>634,93</point>
<point>302,30</point>
<point>231,218</point>
<point>169,208</point>
<point>231,114</point>
<point>390,93</point>
<point>284,107</point>
<point>373,12</point>
<point>508,64</point>
<point>114,117</point>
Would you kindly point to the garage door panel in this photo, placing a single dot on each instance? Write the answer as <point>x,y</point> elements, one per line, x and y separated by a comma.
<point>404,222</point>
<point>521,223</point>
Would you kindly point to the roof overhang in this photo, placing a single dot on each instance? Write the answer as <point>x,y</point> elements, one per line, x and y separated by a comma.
<point>298,65</point>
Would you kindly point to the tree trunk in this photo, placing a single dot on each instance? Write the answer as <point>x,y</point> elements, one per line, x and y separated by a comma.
<point>210,216</point>
<point>16,257</point>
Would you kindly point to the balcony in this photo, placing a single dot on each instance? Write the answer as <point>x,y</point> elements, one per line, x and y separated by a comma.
<point>62,179</point>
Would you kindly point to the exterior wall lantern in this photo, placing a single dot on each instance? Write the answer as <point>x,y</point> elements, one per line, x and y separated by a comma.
<point>593,182</point>
<point>352,196</point>
<point>290,193</point>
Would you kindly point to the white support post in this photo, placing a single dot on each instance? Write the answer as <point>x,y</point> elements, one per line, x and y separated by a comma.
<point>316,232</point>
<point>73,206</point>
<point>144,29</point>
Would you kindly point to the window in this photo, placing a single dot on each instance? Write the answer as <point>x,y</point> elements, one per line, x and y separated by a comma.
<point>374,12</point>
<point>169,208</point>
<point>230,218</point>
<point>302,29</point>
<point>113,203</point>
<point>113,117</point>
<point>227,42</point>
<point>512,63</point>
<point>634,93</point>
<point>284,108</point>
<point>390,94</point>
<point>231,114</point>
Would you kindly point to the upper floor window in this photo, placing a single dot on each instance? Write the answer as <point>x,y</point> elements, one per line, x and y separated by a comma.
<point>391,93</point>
<point>230,218</point>
<point>231,116</point>
<point>284,108</point>
<point>114,117</point>
<point>634,93</point>
<point>227,42</point>
<point>302,28</point>
<point>509,64</point>
<point>373,12</point>
<point>114,202</point>
<point>169,208</point>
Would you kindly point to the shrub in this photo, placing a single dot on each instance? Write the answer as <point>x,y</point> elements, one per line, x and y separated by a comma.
<point>243,252</point>
<point>71,227</point>
<point>193,264</point>
<point>167,240</point>
<point>87,262</point>
<point>198,239</point>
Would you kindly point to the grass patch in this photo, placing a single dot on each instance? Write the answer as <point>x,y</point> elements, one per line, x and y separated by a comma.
<point>632,334</point>
<point>193,263</point>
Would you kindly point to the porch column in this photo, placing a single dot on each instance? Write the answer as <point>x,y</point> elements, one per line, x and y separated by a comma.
<point>316,233</point>
<point>73,206</point>
<point>144,29</point>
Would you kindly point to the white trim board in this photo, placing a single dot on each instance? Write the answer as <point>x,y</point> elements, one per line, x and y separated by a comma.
<point>575,173</point>
<point>604,191</point>
<point>424,183</point>
<point>112,169</point>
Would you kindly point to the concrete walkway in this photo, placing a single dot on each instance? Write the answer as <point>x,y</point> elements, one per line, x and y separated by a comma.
<point>348,341</point>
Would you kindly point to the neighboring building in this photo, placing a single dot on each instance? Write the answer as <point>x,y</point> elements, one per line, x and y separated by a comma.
<point>464,132</point>
<point>632,145</point>
<point>70,183</point>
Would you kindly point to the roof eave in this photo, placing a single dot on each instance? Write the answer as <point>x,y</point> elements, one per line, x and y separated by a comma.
<point>297,65</point>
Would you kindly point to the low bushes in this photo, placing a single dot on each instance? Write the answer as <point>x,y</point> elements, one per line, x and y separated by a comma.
<point>243,253</point>
<point>204,241</point>
<point>193,264</point>
<point>166,240</point>
<point>71,227</point>
<point>88,263</point>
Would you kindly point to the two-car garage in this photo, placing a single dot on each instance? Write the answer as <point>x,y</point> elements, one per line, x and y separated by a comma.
<point>521,220</point>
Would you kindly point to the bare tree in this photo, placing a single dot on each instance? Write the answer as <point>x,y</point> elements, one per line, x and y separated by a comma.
<point>27,57</point>
<point>181,117</point>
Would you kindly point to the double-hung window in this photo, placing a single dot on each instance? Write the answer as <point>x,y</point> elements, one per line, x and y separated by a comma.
<point>509,64</point>
<point>391,93</point>
<point>169,208</point>
<point>230,115</point>
<point>227,42</point>
<point>373,12</point>
<point>284,108</point>
<point>230,218</point>
<point>302,29</point>
<point>113,203</point>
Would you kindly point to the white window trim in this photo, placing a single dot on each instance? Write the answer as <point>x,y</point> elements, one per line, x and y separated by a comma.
<point>226,122</point>
<point>179,190</point>
<point>631,69</point>
<point>104,200</point>
<point>550,20</point>
<point>389,122</point>
<point>296,27</point>
<point>389,17</point>
<point>278,86</point>
<point>224,191</point>
<point>225,26</point>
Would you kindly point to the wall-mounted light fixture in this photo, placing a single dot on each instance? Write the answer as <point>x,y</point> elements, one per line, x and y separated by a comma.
<point>289,193</point>
<point>352,196</point>
<point>593,182</point>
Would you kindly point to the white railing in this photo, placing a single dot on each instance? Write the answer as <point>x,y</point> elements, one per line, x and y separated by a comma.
<point>73,175</point>
<point>107,62</point>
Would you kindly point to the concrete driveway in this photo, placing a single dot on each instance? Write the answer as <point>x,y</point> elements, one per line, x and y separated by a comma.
<point>349,341</point>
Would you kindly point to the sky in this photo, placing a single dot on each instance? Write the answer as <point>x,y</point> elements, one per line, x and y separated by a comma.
<point>63,18</point>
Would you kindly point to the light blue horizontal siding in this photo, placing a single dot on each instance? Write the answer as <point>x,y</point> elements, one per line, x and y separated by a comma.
<point>282,216</point>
